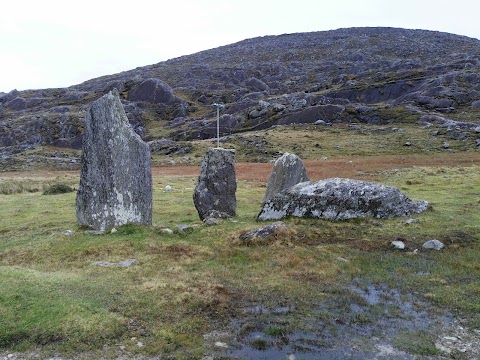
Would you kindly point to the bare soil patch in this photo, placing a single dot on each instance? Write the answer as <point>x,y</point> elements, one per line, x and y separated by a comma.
<point>349,167</point>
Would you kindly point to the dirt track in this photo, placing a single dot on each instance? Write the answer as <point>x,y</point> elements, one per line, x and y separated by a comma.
<point>350,167</point>
<point>364,167</point>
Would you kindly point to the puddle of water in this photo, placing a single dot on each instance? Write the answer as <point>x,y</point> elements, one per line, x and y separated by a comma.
<point>361,323</point>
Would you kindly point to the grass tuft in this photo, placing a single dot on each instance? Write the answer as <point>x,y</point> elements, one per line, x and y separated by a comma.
<point>58,189</point>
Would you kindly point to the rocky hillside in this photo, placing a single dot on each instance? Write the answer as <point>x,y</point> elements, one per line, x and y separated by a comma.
<point>356,75</point>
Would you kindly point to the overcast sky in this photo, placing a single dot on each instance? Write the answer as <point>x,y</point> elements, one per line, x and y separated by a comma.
<point>58,43</point>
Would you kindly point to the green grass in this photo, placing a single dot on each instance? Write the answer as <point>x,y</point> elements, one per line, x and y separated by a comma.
<point>419,343</point>
<point>188,284</point>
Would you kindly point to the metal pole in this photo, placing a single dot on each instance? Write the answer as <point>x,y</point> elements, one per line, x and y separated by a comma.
<point>218,126</point>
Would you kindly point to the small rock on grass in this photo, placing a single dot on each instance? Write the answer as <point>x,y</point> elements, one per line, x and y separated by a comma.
<point>167,231</point>
<point>411,221</point>
<point>433,244</point>
<point>184,228</point>
<point>399,245</point>
<point>276,229</point>
<point>123,263</point>
<point>68,232</point>
<point>211,221</point>
<point>126,263</point>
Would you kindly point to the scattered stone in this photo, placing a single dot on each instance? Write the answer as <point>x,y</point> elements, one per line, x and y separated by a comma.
<point>94,232</point>
<point>113,231</point>
<point>221,344</point>
<point>288,170</point>
<point>342,260</point>
<point>167,231</point>
<point>123,263</point>
<point>127,263</point>
<point>450,338</point>
<point>68,232</point>
<point>433,244</point>
<point>263,233</point>
<point>399,245</point>
<point>320,122</point>
<point>477,142</point>
<point>102,263</point>
<point>217,185</point>
<point>139,344</point>
<point>445,145</point>
<point>377,223</point>
<point>184,228</point>
<point>168,188</point>
<point>115,179</point>
<point>211,221</point>
<point>340,199</point>
<point>408,143</point>
<point>477,129</point>
<point>411,221</point>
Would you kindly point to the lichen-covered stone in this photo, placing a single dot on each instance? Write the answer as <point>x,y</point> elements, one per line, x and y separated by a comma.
<point>115,179</point>
<point>340,199</point>
<point>217,184</point>
<point>275,230</point>
<point>288,170</point>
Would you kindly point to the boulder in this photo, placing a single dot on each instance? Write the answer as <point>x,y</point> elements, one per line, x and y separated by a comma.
<point>153,91</point>
<point>476,104</point>
<point>217,185</point>
<point>17,104</point>
<point>288,170</point>
<point>340,199</point>
<point>256,113</point>
<point>166,147</point>
<point>254,84</point>
<point>115,179</point>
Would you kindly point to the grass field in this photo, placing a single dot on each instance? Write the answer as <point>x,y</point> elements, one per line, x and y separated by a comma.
<point>192,293</point>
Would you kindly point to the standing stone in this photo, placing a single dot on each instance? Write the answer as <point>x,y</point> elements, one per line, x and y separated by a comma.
<point>115,179</point>
<point>217,185</point>
<point>288,170</point>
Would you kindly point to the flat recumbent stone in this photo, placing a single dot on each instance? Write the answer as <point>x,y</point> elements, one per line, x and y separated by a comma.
<point>340,199</point>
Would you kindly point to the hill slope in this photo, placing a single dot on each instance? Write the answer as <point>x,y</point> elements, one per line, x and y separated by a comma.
<point>356,75</point>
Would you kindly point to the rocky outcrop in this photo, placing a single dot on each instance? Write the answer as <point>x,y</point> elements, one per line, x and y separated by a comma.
<point>340,199</point>
<point>115,179</point>
<point>272,80</point>
<point>166,147</point>
<point>153,91</point>
<point>217,184</point>
<point>288,170</point>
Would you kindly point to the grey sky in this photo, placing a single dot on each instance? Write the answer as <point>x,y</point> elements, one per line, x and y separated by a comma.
<point>55,43</point>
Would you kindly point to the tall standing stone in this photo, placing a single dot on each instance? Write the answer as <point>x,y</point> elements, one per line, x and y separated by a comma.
<point>288,170</point>
<point>215,192</point>
<point>115,179</point>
